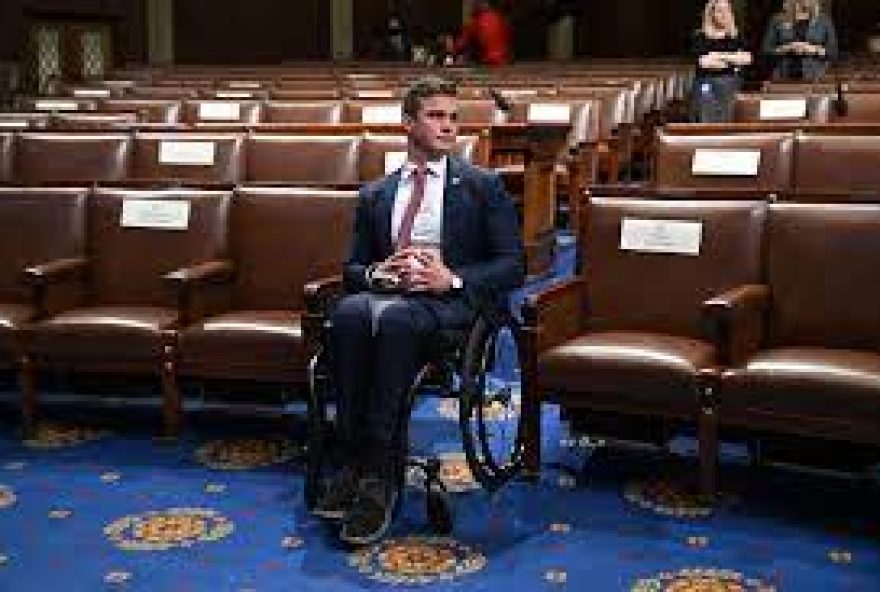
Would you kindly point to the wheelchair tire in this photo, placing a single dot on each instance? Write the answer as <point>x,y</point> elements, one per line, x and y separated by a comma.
<point>439,511</point>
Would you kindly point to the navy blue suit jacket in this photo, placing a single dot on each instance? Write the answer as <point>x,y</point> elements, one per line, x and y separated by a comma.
<point>481,236</point>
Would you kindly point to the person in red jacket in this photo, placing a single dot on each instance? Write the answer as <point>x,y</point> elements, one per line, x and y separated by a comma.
<point>486,36</point>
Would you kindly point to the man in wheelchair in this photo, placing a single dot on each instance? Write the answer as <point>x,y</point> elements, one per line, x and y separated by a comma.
<point>436,243</point>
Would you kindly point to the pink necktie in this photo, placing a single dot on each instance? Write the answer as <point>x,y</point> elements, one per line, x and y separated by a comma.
<point>404,233</point>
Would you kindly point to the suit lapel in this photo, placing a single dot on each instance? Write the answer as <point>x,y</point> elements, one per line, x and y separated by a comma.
<point>453,202</point>
<point>384,210</point>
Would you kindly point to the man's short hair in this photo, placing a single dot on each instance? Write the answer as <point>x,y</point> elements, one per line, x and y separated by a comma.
<point>423,88</point>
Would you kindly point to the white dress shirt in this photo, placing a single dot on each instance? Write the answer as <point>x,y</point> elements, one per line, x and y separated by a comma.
<point>427,226</point>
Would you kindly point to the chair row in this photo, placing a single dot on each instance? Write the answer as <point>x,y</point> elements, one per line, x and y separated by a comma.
<point>175,283</point>
<point>738,314</point>
<point>810,161</point>
<point>46,157</point>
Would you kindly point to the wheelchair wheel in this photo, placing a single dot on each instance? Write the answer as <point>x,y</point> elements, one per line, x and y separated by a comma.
<point>489,405</point>
<point>439,510</point>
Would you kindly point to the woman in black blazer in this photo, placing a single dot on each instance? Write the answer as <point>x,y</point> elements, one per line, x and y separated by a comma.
<point>721,53</point>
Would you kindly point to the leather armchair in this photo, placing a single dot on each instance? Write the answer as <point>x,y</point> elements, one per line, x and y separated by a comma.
<point>302,158</point>
<point>283,238</point>
<point>140,285</point>
<point>816,372</point>
<point>628,335</point>
<point>224,165</point>
<point>43,232</point>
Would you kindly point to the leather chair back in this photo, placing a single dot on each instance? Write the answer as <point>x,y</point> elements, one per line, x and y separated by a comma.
<point>39,225</point>
<point>66,157</point>
<point>659,292</point>
<point>220,159</point>
<point>675,153</point>
<point>148,110</point>
<point>221,111</point>
<point>93,121</point>
<point>821,269</point>
<point>479,112</point>
<point>127,263</point>
<point>302,112</point>
<point>7,142</point>
<point>283,237</point>
<point>837,164</point>
<point>375,148</point>
<point>302,158</point>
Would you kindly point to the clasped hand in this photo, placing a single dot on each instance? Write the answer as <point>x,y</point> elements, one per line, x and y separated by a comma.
<point>419,269</point>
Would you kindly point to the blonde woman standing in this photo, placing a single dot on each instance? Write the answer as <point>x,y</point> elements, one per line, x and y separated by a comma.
<point>721,54</point>
<point>800,41</point>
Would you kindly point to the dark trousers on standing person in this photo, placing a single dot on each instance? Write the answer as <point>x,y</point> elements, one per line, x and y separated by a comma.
<point>713,97</point>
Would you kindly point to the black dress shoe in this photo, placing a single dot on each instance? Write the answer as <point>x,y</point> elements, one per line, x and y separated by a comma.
<point>372,513</point>
<point>338,496</point>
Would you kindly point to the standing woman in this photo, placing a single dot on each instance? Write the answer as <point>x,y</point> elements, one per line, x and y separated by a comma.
<point>721,53</point>
<point>801,41</point>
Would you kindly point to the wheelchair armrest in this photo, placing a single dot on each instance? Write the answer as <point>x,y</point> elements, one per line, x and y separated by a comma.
<point>322,293</point>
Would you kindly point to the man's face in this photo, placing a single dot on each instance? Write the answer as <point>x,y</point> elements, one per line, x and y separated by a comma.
<point>433,129</point>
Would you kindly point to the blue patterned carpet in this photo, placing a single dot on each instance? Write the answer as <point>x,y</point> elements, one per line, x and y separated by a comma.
<point>222,510</point>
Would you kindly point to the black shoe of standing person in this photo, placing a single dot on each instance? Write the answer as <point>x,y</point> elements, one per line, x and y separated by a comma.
<point>373,512</point>
<point>340,492</point>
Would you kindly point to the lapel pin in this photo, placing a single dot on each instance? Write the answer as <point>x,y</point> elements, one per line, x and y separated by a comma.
<point>455,180</point>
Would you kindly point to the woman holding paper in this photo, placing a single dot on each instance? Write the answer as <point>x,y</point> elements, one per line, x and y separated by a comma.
<point>720,52</point>
<point>800,40</point>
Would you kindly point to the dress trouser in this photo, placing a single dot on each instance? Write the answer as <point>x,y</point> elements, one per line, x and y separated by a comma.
<point>380,343</point>
<point>713,97</point>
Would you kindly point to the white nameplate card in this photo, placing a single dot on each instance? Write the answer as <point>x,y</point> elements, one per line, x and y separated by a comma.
<point>56,106</point>
<point>376,94</point>
<point>671,237</point>
<point>549,113</point>
<point>394,160</point>
<point>91,92</point>
<point>770,109</point>
<point>155,213</point>
<point>253,85</point>
<point>186,153</point>
<point>234,94</point>
<point>385,113</point>
<point>219,111</point>
<point>13,124</point>
<point>513,93</point>
<point>728,163</point>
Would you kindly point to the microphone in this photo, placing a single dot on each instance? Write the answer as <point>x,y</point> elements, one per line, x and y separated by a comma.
<point>841,105</point>
<point>500,101</point>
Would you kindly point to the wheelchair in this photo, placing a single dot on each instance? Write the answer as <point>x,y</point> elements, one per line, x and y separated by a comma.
<point>464,365</point>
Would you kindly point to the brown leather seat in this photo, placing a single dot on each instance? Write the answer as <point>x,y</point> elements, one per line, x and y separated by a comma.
<point>817,370</point>
<point>93,121</point>
<point>302,112</point>
<point>221,111</point>
<point>837,164</point>
<point>148,110</point>
<point>68,157</point>
<point>261,336</point>
<point>374,150</point>
<point>198,157</point>
<point>140,284</point>
<point>302,158</point>
<point>42,228</point>
<point>747,107</point>
<point>627,335</point>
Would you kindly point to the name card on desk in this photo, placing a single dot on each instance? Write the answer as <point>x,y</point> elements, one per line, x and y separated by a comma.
<point>394,160</point>
<point>219,111</point>
<point>91,92</point>
<point>384,113</point>
<point>771,109</point>
<point>13,124</point>
<point>155,213</point>
<point>376,94</point>
<point>549,113</point>
<point>186,153</point>
<point>727,163</point>
<point>234,94</point>
<point>671,237</point>
<point>56,106</point>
